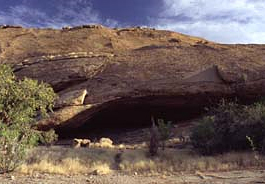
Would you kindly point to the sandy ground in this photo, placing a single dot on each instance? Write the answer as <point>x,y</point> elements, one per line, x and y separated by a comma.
<point>232,177</point>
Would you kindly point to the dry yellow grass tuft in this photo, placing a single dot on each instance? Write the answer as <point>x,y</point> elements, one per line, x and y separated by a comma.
<point>172,160</point>
<point>63,167</point>
<point>62,160</point>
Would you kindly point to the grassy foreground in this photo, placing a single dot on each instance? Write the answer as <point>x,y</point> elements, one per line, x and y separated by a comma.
<point>69,161</point>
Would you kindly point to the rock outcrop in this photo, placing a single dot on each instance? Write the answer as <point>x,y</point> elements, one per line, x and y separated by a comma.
<point>94,68</point>
<point>71,98</point>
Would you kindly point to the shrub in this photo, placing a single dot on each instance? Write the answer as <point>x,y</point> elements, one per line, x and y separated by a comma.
<point>21,101</point>
<point>48,137</point>
<point>227,127</point>
<point>164,131</point>
<point>202,135</point>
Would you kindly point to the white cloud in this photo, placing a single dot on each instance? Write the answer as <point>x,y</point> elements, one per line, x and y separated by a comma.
<point>18,14</point>
<point>226,21</point>
<point>70,13</point>
<point>76,12</point>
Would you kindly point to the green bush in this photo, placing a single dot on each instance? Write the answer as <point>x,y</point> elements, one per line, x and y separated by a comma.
<point>48,137</point>
<point>227,127</point>
<point>21,101</point>
<point>203,134</point>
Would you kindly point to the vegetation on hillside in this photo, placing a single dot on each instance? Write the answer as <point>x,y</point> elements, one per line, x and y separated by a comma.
<point>229,127</point>
<point>159,134</point>
<point>21,102</point>
<point>164,131</point>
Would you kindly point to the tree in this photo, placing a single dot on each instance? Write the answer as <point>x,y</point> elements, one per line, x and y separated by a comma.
<point>21,102</point>
<point>162,132</point>
<point>154,139</point>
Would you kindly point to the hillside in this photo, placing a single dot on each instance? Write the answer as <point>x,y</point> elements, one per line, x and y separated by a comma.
<point>120,77</point>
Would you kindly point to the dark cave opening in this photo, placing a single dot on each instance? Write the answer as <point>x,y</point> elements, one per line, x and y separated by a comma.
<point>135,113</point>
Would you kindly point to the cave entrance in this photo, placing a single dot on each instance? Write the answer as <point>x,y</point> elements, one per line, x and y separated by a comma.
<point>135,113</point>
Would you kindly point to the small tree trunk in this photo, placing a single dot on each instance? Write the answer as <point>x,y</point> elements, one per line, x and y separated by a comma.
<point>154,141</point>
<point>163,145</point>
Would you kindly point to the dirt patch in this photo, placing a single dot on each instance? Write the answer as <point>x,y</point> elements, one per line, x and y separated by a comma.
<point>232,177</point>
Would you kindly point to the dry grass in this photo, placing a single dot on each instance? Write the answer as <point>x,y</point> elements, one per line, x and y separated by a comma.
<point>65,166</point>
<point>186,161</point>
<point>61,160</point>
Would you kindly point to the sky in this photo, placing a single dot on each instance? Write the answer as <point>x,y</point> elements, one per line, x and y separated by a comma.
<point>224,21</point>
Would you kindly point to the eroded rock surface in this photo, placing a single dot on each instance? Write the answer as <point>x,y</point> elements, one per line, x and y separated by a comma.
<point>71,98</point>
<point>93,68</point>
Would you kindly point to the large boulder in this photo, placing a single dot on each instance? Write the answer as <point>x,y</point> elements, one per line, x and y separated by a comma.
<point>94,68</point>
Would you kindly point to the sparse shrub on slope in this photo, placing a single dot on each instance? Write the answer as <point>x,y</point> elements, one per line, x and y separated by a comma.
<point>21,101</point>
<point>227,127</point>
<point>158,134</point>
<point>164,131</point>
<point>203,134</point>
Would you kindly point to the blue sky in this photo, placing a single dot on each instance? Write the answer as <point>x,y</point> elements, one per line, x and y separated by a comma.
<point>225,21</point>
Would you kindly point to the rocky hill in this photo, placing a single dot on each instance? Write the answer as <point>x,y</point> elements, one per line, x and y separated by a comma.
<point>120,77</point>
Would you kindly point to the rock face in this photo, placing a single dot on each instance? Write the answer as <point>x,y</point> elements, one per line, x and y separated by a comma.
<point>133,73</point>
<point>71,98</point>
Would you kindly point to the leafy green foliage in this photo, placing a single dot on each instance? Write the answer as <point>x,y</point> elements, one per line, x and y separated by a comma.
<point>227,127</point>
<point>14,141</point>
<point>21,101</point>
<point>202,135</point>
<point>48,137</point>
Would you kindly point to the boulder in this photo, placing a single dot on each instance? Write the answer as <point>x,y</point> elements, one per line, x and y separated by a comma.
<point>77,143</point>
<point>105,142</point>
